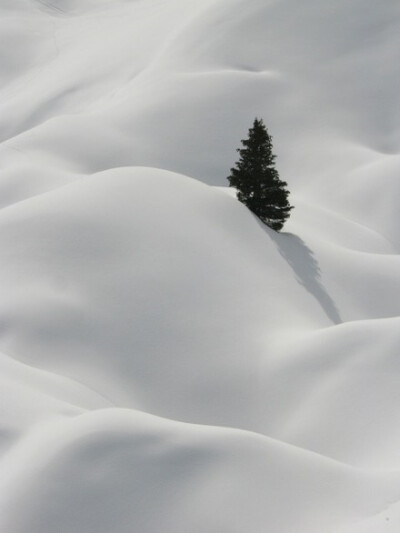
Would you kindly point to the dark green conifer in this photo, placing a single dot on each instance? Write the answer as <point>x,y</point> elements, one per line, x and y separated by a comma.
<point>257,180</point>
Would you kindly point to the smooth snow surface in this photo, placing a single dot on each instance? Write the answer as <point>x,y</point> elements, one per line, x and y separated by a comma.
<point>168,363</point>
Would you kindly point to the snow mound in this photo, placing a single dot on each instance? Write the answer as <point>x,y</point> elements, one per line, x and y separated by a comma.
<point>167,362</point>
<point>120,469</point>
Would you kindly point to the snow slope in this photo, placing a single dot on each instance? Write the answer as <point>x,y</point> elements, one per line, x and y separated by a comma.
<point>168,363</point>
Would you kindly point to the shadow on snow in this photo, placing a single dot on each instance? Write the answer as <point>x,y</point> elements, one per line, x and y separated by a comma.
<point>307,271</point>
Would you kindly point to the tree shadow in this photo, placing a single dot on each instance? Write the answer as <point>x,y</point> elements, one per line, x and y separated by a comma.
<point>306,269</point>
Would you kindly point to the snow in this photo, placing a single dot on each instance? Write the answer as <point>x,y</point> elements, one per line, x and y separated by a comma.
<point>168,363</point>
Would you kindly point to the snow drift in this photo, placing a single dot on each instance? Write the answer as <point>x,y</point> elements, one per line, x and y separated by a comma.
<point>168,362</point>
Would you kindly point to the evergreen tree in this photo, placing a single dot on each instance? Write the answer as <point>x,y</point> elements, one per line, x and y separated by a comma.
<point>257,180</point>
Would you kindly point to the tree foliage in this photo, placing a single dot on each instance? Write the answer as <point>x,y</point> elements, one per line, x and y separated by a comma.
<point>257,180</point>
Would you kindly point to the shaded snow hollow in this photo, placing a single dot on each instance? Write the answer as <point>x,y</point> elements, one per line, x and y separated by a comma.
<point>167,362</point>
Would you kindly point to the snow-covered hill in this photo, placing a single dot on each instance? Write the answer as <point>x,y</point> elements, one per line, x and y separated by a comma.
<point>168,363</point>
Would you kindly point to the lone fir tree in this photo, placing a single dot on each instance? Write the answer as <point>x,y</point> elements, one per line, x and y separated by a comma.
<point>257,180</point>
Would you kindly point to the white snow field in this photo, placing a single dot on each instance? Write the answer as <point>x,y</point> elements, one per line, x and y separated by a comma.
<point>168,363</point>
